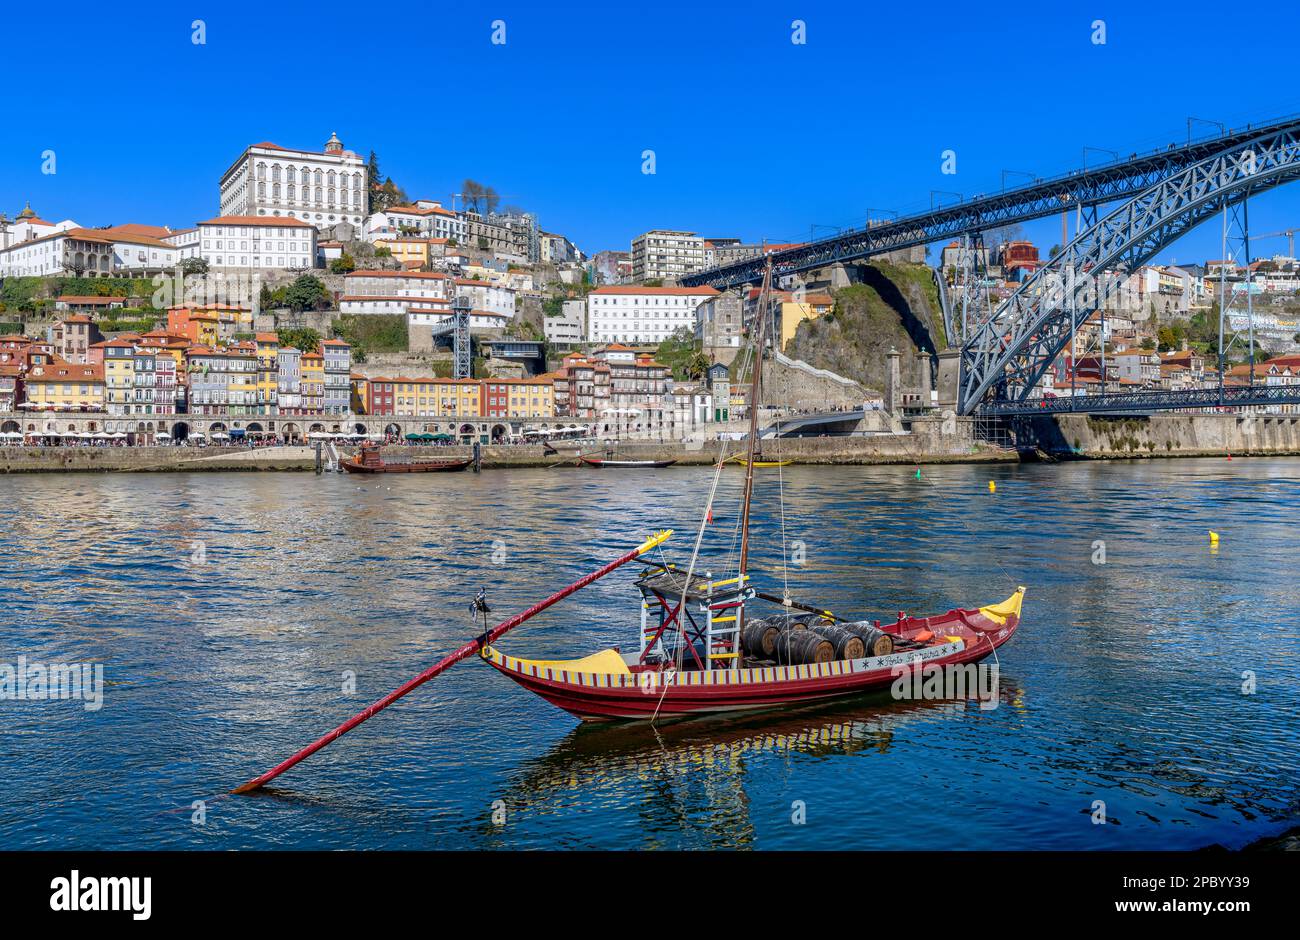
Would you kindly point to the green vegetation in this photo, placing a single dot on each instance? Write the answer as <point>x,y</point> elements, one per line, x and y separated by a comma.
<point>384,193</point>
<point>307,340</point>
<point>140,325</point>
<point>683,355</point>
<point>194,266</point>
<point>344,264</point>
<point>372,332</point>
<point>305,293</point>
<point>36,295</point>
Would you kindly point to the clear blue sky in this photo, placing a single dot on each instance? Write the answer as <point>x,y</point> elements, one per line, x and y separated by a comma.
<point>754,136</point>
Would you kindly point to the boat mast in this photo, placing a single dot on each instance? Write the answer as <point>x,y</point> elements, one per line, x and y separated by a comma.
<point>754,388</point>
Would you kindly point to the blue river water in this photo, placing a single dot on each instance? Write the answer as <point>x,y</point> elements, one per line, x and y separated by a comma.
<point>232,613</point>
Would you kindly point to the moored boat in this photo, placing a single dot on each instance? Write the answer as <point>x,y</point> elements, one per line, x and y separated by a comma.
<point>601,462</point>
<point>758,461</point>
<point>369,460</point>
<point>613,685</point>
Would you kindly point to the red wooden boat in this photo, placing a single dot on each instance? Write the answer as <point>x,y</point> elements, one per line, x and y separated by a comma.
<point>611,685</point>
<point>599,462</point>
<point>369,460</point>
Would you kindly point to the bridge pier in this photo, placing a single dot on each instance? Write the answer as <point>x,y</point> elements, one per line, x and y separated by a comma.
<point>948,383</point>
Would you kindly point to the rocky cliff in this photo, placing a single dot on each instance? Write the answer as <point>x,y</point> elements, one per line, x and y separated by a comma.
<point>895,305</point>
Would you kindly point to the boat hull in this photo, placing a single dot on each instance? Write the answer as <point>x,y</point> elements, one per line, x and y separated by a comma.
<point>598,463</point>
<point>968,636</point>
<point>353,465</point>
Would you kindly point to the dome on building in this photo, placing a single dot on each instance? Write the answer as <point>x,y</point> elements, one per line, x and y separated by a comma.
<point>334,145</point>
<point>27,213</point>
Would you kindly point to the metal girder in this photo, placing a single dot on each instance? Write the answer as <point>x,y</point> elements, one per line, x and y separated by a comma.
<point>1085,187</point>
<point>457,325</point>
<point>1011,350</point>
<point>1141,402</point>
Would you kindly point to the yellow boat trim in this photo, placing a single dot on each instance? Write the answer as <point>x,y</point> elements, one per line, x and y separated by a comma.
<point>999,613</point>
<point>606,662</point>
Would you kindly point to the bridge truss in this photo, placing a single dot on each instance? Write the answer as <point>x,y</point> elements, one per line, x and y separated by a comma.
<point>1082,189</point>
<point>1011,350</point>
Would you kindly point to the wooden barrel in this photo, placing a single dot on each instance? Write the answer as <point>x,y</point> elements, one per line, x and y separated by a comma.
<point>800,647</point>
<point>876,641</point>
<point>759,638</point>
<point>848,645</point>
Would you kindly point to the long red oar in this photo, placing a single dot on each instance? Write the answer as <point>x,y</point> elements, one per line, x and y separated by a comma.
<point>469,649</point>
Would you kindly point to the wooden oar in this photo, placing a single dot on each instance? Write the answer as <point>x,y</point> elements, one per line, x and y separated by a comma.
<point>795,604</point>
<point>469,649</point>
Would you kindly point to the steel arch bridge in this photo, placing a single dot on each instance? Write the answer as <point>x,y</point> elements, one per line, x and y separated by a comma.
<point>1009,352</point>
<point>1085,188</point>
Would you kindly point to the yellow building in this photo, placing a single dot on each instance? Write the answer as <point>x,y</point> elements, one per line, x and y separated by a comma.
<point>414,252</point>
<point>519,398</point>
<point>790,312</point>
<point>313,382</point>
<point>268,372</point>
<point>424,397</point>
<point>66,386</point>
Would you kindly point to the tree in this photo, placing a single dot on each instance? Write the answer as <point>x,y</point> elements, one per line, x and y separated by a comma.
<point>482,199</point>
<point>265,299</point>
<point>472,193</point>
<point>344,264</point>
<point>306,293</point>
<point>305,339</point>
<point>194,266</point>
<point>373,177</point>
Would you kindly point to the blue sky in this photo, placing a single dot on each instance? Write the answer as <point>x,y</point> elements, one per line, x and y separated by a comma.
<point>754,136</point>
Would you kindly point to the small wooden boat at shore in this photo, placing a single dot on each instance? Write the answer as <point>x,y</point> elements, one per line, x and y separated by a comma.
<point>369,460</point>
<point>601,462</point>
<point>741,461</point>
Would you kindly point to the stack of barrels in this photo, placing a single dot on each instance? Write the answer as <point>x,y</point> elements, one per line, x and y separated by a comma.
<point>797,639</point>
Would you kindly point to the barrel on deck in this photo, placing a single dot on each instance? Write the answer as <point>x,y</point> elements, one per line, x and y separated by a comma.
<point>848,645</point>
<point>876,641</point>
<point>759,638</point>
<point>803,647</point>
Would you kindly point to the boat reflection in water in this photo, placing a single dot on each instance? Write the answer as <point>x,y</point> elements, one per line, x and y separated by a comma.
<point>692,772</point>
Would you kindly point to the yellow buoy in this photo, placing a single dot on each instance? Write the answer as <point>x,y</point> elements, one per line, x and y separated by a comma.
<point>1214,537</point>
<point>993,487</point>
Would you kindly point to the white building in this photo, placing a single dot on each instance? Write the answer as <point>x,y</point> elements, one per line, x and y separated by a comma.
<point>642,314</point>
<point>78,251</point>
<point>425,219</point>
<point>187,242</point>
<point>568,327</point>
<point>486,296</point>
<point>249,241</point>
<point>27,226</point>
<point>666,255</point>
<point>393,292</point>
<point>323,188</point>
<point>479,320</point>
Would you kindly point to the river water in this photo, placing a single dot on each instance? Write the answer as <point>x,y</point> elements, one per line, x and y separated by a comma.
<point>230,610</point>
